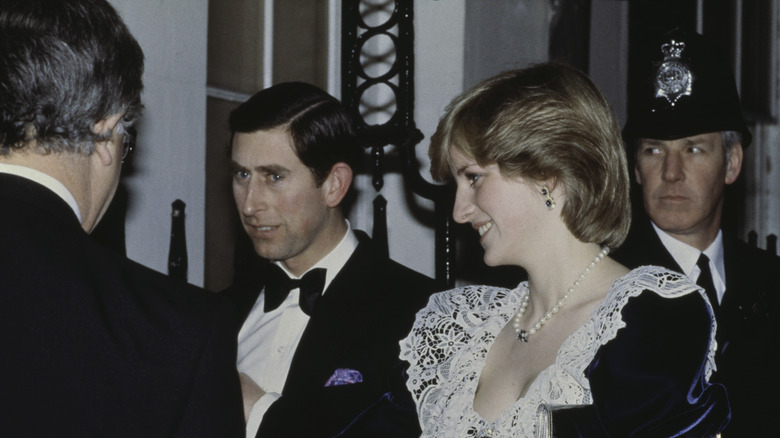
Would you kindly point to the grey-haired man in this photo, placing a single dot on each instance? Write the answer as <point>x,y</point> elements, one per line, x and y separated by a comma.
<point>687,134</point>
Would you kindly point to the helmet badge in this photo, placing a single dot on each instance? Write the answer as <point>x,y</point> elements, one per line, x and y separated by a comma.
<point>673,78</point>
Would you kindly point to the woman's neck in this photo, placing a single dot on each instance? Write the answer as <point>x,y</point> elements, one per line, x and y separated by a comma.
<point>551,275</point>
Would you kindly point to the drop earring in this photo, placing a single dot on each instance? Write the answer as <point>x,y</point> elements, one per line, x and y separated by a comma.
<point>550,202</point>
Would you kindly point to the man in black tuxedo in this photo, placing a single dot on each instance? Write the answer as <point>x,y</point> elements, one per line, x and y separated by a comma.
<point>316,358</point>
<point>687,131</point>
<point>92,344</point>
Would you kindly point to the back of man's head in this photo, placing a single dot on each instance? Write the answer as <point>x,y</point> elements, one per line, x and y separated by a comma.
<point>64,66</point>
<point>683,87</point>
<point>321,130</point>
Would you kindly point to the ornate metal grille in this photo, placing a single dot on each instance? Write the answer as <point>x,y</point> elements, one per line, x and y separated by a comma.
<point>378,60</point>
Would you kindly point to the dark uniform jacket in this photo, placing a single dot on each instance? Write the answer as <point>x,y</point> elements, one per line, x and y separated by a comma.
<point>748,331</point>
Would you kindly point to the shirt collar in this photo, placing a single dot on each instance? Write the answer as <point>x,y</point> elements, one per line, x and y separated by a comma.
<point>336,258</point>
<point>45,180</point>
<point>686,256</point>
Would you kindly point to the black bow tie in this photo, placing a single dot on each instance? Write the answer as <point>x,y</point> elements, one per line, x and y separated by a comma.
<point>279,285</point>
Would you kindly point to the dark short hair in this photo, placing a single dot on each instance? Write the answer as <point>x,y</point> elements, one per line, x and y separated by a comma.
<point>64,66</point>
<point>321,130</point>
<point>546,122</point>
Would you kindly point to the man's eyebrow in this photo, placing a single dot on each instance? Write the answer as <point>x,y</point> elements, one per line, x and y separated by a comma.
<point>273,168</point>
<point>695,140</point>
<point>268,168</point>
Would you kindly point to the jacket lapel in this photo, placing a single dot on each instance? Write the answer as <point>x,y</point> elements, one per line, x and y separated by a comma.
<point>345,308</point>
<point>745,306</point>
<point>644,247</point>
<point>246,289</point>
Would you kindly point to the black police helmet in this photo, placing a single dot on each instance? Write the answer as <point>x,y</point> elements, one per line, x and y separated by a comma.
<point>685,88</point>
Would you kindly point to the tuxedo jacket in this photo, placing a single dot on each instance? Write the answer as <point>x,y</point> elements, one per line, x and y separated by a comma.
<point>94,345</point>
<point>356,325</point>
<point>748,331</point>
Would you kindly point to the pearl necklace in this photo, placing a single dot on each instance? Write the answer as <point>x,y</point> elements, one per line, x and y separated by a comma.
<point>521,333</point>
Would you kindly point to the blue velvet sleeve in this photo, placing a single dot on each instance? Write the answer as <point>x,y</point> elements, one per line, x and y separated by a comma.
<point>650,380</point>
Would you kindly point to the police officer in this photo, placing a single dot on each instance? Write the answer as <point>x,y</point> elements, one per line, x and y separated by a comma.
<point>687,135</point>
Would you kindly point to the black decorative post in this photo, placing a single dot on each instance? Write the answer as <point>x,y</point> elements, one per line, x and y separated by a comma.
<point>177,253</point>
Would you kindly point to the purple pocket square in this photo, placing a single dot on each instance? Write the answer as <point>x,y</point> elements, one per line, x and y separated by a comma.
<point>344,376</point>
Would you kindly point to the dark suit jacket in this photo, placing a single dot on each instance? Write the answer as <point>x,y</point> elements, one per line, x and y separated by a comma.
<point>94,345</point>
<point>748,330</point>
<point>357,324</point>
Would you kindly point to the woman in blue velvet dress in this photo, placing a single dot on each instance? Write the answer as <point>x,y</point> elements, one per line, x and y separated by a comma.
<point>585,347</point>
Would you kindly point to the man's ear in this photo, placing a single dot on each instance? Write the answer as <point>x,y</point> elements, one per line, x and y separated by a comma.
<point>637,175</point>
<point>337,184</point>
<point>734,163</point>
<point>106,126</point>
<point>103,152</point>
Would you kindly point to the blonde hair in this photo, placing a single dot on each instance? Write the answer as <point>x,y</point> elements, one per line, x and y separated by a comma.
<point>545,123</point>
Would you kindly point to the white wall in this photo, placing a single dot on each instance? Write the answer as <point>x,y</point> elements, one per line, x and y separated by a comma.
<point>169,161</point>
<point>609,58</point>
<point>439,28</point>
<point>509,34</point>
<point>761,168</point>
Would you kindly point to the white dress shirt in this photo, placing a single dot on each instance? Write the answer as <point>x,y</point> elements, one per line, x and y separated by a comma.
<point>267,341</point>
<point>44,180</point>
<point>686,256</point>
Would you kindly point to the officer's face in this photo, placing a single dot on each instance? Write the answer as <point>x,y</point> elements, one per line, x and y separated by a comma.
<point>682,184</point>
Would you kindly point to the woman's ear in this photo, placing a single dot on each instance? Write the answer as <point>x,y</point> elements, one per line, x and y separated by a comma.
<point>337,184</point>
<point>552,186</point>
